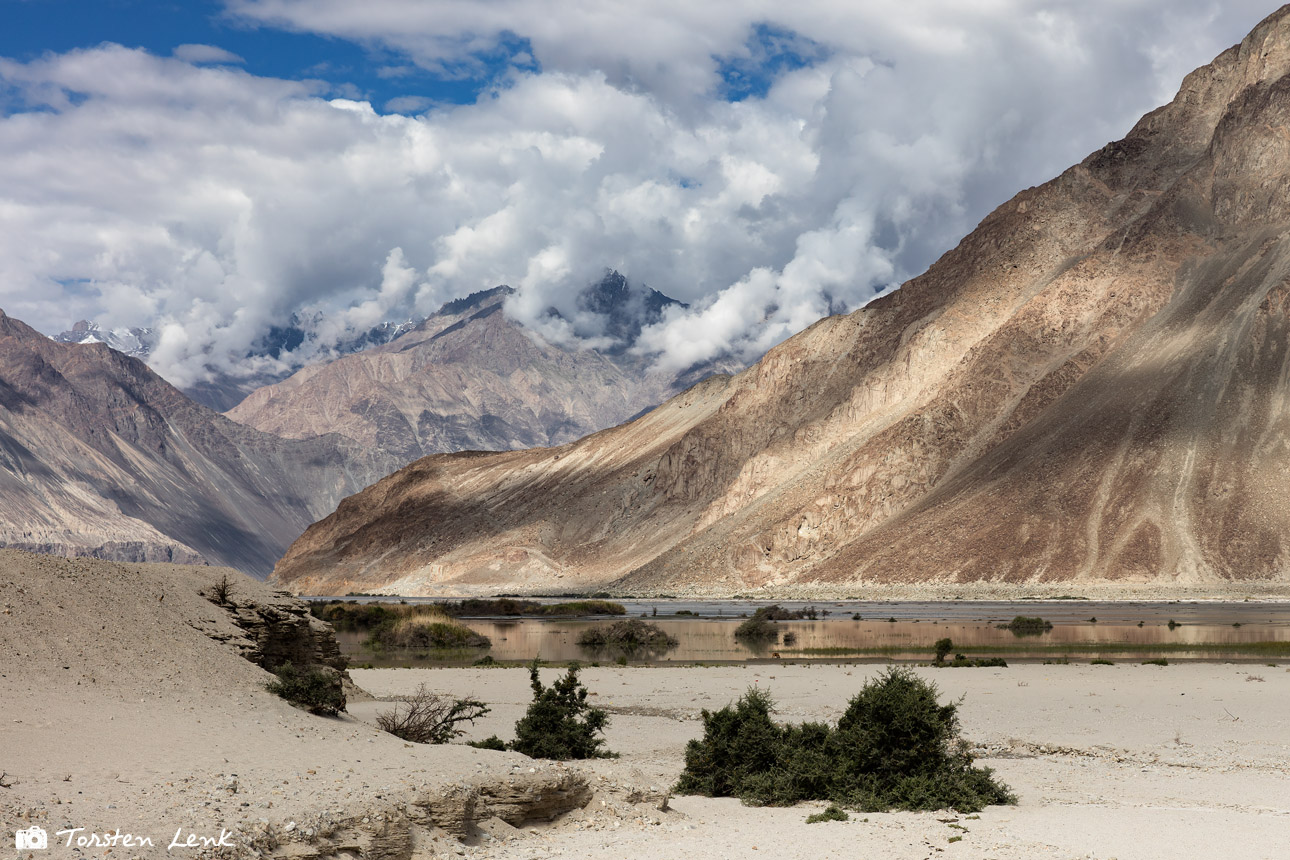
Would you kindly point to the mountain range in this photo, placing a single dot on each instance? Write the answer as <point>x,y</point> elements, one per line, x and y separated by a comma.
<point>223,389</point>
<point>1092,386</point>
<point>101,457</point>
<point>471,378</point>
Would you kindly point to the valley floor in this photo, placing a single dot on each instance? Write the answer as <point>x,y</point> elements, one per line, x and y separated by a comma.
<point>1123,761</point>
<point>124,705</point>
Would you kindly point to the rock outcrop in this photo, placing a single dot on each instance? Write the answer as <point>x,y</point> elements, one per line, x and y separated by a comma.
<point>1091,386</point>
<point>101,457</point>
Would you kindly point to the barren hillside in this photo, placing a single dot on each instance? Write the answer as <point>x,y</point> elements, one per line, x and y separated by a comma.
<point>1091,386</point>
<point>101,457</point>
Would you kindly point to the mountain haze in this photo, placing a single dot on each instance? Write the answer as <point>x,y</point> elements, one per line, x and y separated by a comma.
<point>1093,386</point>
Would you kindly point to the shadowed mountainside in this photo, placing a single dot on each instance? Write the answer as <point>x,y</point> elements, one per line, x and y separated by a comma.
<point>101,457</point>
<point>1092,386</point>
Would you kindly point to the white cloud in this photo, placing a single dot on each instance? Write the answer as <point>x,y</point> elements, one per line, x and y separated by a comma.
<point>212,203</point>
<point>198,54</point>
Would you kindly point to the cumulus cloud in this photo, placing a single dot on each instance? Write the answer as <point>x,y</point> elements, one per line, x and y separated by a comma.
<point>767,163</point>
<point>197,54</point>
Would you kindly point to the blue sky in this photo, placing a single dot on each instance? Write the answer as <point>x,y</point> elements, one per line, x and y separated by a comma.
<point>33,27</point>
<point>210,168</point>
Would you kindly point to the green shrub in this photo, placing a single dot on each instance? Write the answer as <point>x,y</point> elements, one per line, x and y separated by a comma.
<point>943,647</point>
<point>560,724</point>
<point>761,627</point>
<point>894,747</point>
<point>317,689</point>
<point>757,629</point>
<point>1159,661</point>
<point>492,742</point>
<point>630,635</point>
<point>1101,661</point>
<point>831,813</point>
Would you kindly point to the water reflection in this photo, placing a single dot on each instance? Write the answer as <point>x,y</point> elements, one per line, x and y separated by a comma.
<point>708,640</point>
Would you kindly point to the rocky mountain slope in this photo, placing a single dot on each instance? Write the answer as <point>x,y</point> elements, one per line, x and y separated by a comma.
<point>470,378</point>
<point>1094,385</point>
<point>99,456</point>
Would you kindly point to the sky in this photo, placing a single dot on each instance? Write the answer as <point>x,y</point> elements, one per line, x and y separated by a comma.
<point>210,168</point>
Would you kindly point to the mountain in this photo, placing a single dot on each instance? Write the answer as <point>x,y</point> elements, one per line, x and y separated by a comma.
<point>1094,385</point>
<point>223,389</point>
<point>101,457</point>
<point>469,377</point>
<point>134,342</point>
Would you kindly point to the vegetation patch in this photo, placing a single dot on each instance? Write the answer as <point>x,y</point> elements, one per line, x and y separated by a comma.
<point>630,635</point>
<point>962,662</point>
<point>426,717</point>
<point>316,689</point>
<point>895,747</point>
<point>1027,625</point>
<point>426,629</point>
<point>511,606</point>
<point>560,724</point>
<point>760,628</point>
<point>349,616</point>
<point>832,812</point>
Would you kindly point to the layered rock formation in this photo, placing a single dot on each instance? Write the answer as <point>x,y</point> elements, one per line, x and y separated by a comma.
<point>470,378</point>
<point>1092,386</point>
<point>101,457</point>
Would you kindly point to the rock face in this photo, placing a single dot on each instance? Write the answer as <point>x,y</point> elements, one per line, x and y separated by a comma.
<point>470,378</point>
<point>101,457</point>
<point>1094,385</point>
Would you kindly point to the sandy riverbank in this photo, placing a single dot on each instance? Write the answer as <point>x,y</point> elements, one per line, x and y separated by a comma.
<point>123,704</point>
<point>1125,761</point>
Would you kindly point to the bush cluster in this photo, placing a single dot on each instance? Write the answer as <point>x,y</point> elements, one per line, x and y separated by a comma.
<point>630,635</point>
<point>317,689</point>
<point>1027,625</point>
<point>481,606</point>
<point>894,747</point>
<point>761,628</point>
<point>425,630</point>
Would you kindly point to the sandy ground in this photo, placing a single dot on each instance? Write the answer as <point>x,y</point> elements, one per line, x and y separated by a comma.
<point>119,710</point>
<point>1124,761</point>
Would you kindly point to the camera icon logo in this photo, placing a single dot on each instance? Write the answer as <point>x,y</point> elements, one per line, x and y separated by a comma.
<point>32,838</point>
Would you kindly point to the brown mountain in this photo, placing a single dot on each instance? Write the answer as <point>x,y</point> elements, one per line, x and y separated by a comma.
<point>469,377</point>
<point>1094,385</point>
<point>101,457</point>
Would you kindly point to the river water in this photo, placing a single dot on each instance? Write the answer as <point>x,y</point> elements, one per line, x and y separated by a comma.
<point>899,630</point>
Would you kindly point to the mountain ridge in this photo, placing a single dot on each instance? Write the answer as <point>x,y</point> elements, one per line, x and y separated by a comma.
<point>101,457</point>
<point>1024,411</point>
<point>470,378</point>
